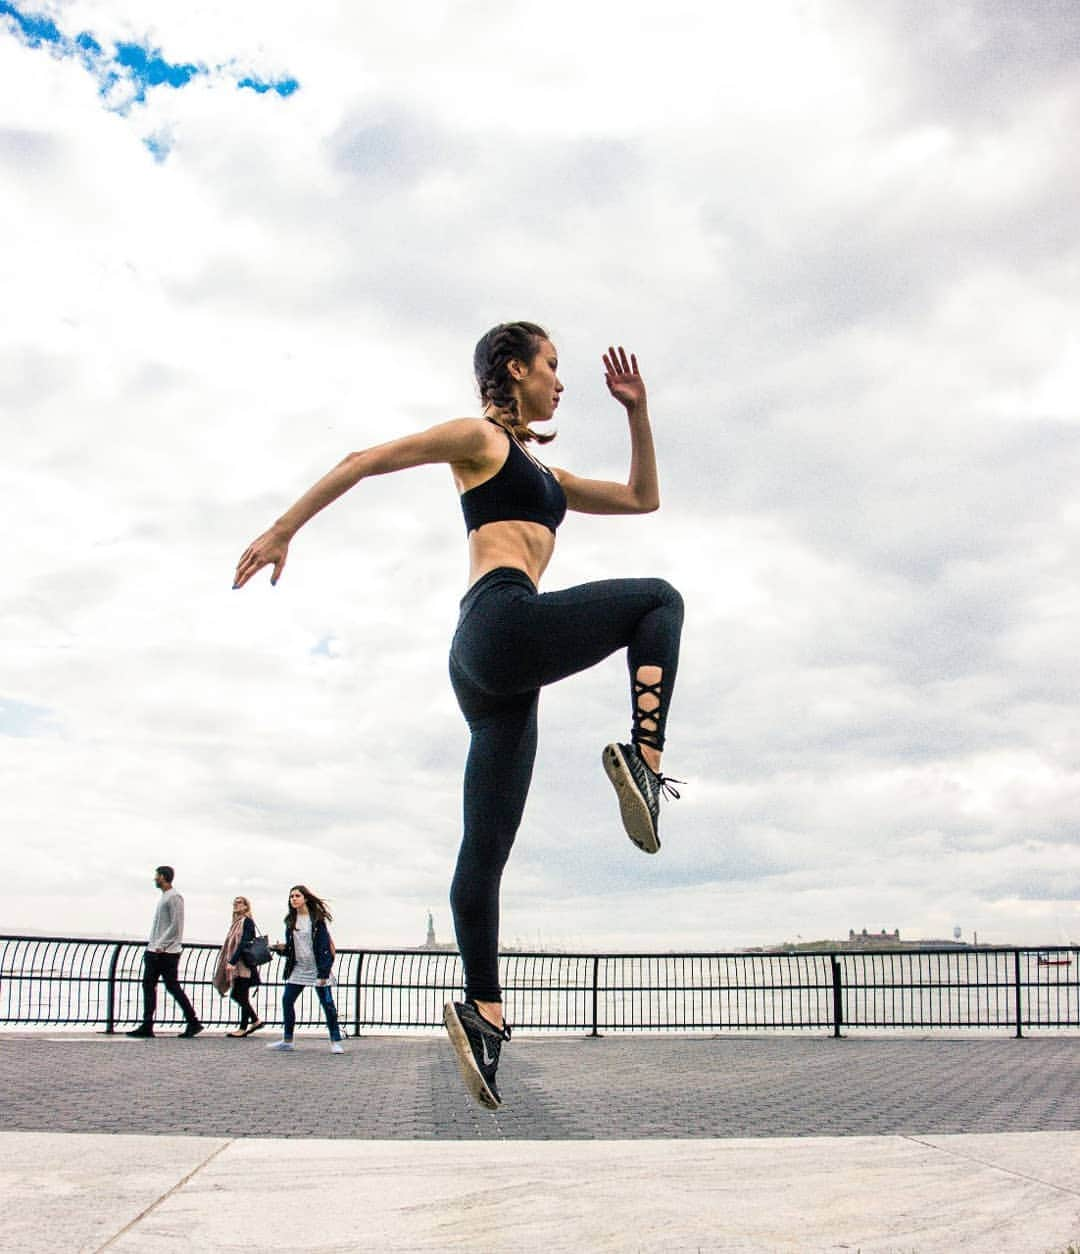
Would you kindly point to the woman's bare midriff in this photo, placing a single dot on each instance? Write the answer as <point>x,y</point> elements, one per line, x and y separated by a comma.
<point>525,546</point>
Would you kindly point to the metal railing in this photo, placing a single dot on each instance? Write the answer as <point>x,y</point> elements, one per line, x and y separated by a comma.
<point>76,981</point>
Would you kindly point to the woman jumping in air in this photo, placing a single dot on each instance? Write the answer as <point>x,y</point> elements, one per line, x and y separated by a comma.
<point>511,640</point>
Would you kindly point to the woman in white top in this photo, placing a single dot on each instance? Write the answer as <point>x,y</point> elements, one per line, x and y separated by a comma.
<point>309,960</point>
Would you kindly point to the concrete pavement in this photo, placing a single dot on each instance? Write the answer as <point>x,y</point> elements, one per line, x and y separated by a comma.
<point>911,1146</point>
<point>1014,1193</point>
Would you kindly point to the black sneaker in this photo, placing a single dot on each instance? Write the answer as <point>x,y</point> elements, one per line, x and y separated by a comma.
<point>192,1029</point>
<point>638,788</point>
<point>477,1044</point>
<point>142,1030</point>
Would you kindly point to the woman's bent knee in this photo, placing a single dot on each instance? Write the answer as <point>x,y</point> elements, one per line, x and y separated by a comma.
<point>668,595</point>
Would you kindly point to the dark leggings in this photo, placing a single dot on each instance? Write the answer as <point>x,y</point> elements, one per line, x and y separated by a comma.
<point>326,1000</point>
<point>241,994</point>
<point>510,642</point>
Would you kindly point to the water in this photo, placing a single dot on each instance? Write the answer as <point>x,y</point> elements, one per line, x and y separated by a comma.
<point>68,982</point>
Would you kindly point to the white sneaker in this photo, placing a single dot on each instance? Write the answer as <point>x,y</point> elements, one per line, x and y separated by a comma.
<point>336,1047</point>
<point>280,1045</point>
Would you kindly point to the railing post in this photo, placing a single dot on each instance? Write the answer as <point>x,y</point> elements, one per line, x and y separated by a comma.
<point>110,1013</point>
<point>837,996</point>
<point>356,997</point>
<point>595,993</point>
<point>1016,983</point>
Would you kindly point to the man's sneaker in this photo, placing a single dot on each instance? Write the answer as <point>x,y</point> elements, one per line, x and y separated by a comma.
<point>142,1031</point>
<point>192,1029</point>
<point>336,1047</point>
<point>638,788</point>
<point>280,1045</point>
<point>477,1044</point>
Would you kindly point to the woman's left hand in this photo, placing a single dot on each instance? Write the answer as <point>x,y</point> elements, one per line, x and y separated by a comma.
<point>622,378</point>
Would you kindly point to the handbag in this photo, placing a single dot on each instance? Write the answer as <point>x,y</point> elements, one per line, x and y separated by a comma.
<point>256,952</point>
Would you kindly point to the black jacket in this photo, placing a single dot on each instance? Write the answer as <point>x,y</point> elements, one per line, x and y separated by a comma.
<point>246,937</point>
<point>320,942</point>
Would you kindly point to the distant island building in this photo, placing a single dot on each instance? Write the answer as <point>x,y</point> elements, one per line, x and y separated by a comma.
<point>865,938</point>
<point>891,940</point>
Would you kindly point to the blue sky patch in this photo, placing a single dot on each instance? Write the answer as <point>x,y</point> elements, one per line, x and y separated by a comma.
<point>35,30</point>
<point>148,68</point>
<point>283,86</point>
<point>22,720</point>
<point>159,144</point>
<point>127,71</point>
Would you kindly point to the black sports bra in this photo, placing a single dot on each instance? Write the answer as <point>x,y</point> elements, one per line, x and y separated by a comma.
<point>521,489</point>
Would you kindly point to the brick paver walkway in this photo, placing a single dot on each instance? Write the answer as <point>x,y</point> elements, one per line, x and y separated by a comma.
<point>616,1087</point>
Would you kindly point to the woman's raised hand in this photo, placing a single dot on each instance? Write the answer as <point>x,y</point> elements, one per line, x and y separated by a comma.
<point>622,378</point>
<point>270,548</point>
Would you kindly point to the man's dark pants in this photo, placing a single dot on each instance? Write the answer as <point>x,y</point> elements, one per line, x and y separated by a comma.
<point>164,967</point>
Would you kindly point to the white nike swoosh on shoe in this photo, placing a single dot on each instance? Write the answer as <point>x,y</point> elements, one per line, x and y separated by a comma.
<point>488,1060</point>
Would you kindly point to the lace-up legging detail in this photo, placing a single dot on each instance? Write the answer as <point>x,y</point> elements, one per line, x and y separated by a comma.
<point>510,642</point>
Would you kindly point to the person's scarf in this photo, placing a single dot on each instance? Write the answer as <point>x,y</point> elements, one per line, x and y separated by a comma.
<point>223,978</point>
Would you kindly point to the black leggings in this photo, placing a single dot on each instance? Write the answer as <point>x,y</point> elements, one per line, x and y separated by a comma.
<point>241,994</point>
<point>510,642</point>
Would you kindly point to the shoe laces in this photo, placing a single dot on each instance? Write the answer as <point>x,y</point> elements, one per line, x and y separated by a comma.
<point>504,1031</point>
<point>666,784</point>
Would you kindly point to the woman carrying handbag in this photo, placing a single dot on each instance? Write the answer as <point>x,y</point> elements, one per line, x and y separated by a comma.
<point>234,976</point>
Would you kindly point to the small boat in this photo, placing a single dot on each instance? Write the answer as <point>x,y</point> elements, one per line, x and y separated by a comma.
<point>1054,960</point>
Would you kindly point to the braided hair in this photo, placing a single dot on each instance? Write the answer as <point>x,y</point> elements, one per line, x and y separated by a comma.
<point>509,341</point>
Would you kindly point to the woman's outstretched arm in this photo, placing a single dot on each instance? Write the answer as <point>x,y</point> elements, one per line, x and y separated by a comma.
<point>458,442</point>
<point>640,494</point>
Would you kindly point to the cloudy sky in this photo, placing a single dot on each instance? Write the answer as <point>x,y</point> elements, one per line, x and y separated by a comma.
<point>841,238</point>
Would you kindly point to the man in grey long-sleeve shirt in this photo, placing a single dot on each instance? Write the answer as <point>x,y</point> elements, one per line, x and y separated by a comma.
<point>162,958</point>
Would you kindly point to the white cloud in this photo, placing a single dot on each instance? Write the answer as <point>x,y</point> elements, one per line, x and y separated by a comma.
<point>842,243</point>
